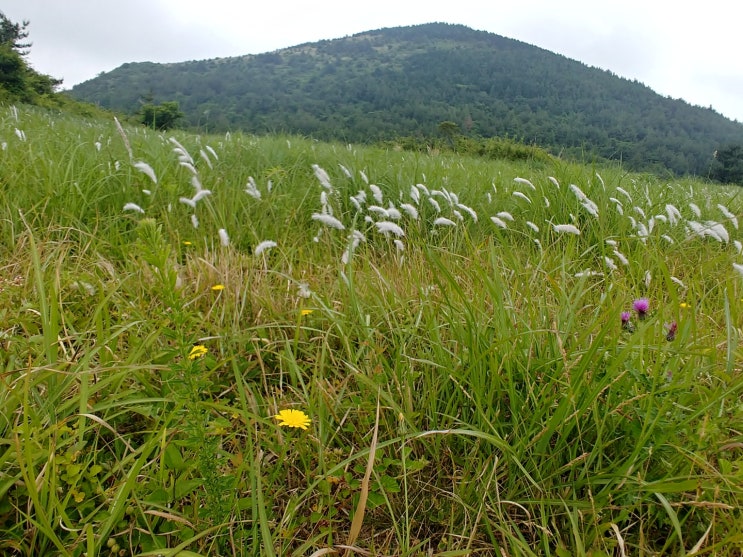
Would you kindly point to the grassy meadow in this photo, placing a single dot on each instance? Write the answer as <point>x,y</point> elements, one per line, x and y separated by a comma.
<point>483,357</point>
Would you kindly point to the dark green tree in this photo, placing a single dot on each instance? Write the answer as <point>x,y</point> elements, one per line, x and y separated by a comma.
<point>161,116</point>
<point>728,167</point>
<point>449,130</point>
<point>18,81</point>
<point>13,35</point>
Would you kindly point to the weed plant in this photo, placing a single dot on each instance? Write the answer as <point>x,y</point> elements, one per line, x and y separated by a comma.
<point>470,378</point>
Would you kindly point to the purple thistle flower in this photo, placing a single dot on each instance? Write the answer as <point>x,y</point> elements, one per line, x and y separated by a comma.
<point>641,306</point>
<point>671,329</point>
<point>626,325</point>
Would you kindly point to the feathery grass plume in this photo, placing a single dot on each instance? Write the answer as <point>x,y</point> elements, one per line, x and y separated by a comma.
<point>577,192</point>
<point>410,210</point>
<point>399,245</point>
<point>610,263</point>
<point>588,273</point>
<point>212,151</point>
<point>674,215</point>
<point>695,209</point>
<point>194,221</point>
<point>186,201</point>
<point>738,268</point>
<point>457,214</point>
<point>376,193</point>
<point>726,212</point>
<point>146,169</point>
<point>415,194</point>
<point>133,207</point>
<point>206,159</point>
<point>601,180</point>
<point>392,212</point>
<point>718,231</point>
<point>434,204</point>
<point>196,183</point>
<point>612,243</point>
<point>625,193</point>
<point>505,215</point>
<point>322,176</point>
<point>147,192</point>
<point>531,225</point>
<point>181,151</point>
<point>554,181</point>
<point>4,146</point>
<point>667,238</point>
<point>679,282</point>
<point>201,194</point>
<point>346,172</point>
<point>377,210</point>
<point>188,166</point>
<point>622,259</point>
<point>251,188</point>
<point>521,196</point>
<point>648,278</point>
<point>469,210</point>
<point>525,182</point>
<point>355,203</point>
<point>499,222</point>
<point>423,188</point>
<point>566,229</point>
<point>738,246</point>
<point>97,146</point>
<point>387,227</point>
<point>263,246</point>
<point>303,290</point>
<point>591,207</point>
<point>328,220</point>
<point>639,211</point>
<point>124,138</point>
<point>224,237</point>
<point>443,221</point>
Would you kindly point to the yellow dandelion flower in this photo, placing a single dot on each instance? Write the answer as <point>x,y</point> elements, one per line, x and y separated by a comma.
<point>293,418</point>
<point>197,352</point>
<point>684,305</point>
<point>306,312</point>
<point>186,243</point>
<point>218,287</point>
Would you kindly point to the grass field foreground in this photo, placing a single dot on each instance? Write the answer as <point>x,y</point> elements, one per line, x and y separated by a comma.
<point>245,345</point>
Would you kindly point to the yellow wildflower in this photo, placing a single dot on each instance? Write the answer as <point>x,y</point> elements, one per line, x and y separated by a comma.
<point>684,305</point>
<point>197,352</point>
<point>218,287</point>
<point>293,418</point>
<point>186,243</point>
<point>306,312</point>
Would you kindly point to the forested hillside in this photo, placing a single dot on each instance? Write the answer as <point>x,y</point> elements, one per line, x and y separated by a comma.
<point>398,82</point>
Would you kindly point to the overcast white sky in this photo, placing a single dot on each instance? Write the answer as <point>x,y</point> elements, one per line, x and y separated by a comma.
<point>690,51</point>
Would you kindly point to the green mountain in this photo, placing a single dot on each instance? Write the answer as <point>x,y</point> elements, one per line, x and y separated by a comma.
<point>405,81</point>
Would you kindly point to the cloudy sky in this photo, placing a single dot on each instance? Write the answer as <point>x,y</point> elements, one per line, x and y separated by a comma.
<point>690,51</point>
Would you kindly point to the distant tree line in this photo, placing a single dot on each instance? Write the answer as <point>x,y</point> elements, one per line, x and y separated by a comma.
<point>385,85</point>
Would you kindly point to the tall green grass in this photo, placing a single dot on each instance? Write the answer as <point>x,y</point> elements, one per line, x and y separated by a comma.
<point>474,393</point>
